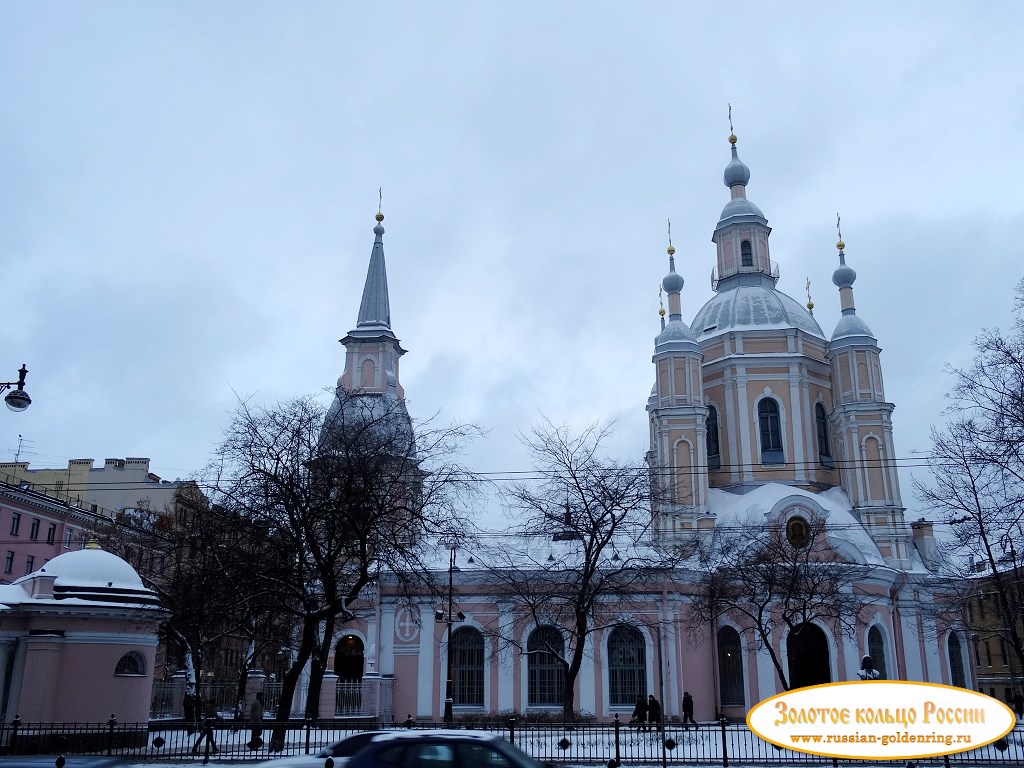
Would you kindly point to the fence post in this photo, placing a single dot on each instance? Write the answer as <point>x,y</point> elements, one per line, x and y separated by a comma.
<point>725,750</point>
<point>110,734</point>
<point>618,754</point>
<point>309,729</point>
<point>15,724</point>
<point>512,731</point>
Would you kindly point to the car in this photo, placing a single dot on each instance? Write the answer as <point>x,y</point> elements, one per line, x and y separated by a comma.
<point>339,752</point>
<point>440,749</point>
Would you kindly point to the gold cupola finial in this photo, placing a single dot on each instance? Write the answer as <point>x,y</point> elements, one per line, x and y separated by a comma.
<point>810,301</point>
<point>661,303</point>
<point>671,248</point>
<point>840,245</point>
<point>380,203</point>
<point>732,133</point>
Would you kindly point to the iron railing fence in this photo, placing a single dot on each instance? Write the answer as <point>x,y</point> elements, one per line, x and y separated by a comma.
<point>167,701</point>
<point>372,699</point>
<point>721,744</point>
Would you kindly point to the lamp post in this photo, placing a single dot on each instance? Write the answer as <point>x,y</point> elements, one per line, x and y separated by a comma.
<point>449,618</point>
<point>18,400</point>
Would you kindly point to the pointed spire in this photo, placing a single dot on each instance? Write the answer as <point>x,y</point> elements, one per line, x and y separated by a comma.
<point>375,308</point>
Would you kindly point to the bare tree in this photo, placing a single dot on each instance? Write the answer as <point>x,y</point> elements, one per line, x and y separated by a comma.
<point>341,494</point>
<point>766,579</point>
<point>592,517</point>
<point>977,479</point>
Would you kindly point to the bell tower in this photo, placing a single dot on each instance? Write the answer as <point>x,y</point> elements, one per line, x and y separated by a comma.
<point>678,458</point>
<point>862,423</point>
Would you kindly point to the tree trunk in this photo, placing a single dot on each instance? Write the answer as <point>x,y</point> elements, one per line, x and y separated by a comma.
<point>307,644</point>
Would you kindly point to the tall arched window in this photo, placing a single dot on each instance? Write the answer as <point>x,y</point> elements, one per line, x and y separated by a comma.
<point>956,661</point>
<point>876,650</point>
<point>711,431</point>
<point>746,254</point>
<point>771,431</point>
<point>627,666</point>
<point>545,673</point>
<point>467,652</point>
<point>730,667</point>
<point>821,427</point>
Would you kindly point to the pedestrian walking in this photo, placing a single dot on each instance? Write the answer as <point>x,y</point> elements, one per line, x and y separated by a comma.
<point>255,713</point>
<point>640,713</point>
<point>688,710</point>
<point>210,716</point>
<point>654,712</point>
<point>1018,704</point>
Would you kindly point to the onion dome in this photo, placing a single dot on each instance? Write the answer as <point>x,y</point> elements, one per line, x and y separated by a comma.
<point>675,334</point>
<point>844,276</point>
<point>673,281</point>
<point>850,327</point>
<point>736,172</point>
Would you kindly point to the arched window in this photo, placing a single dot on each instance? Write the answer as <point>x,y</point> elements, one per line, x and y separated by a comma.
<point>771,431</point>
<point>131,663</point>
<point>545,673</point>
<point>467,667</point>
<point>711,430</point>
<point>876,650</point>
<point>730,667</point>
<point>821,427</point>
<point>746,254</point>
<point>627,666</point>
<point>956,662</point>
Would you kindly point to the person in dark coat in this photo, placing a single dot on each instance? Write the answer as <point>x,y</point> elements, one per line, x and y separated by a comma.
<point>654,712</point>
<point>256,721</point>
<point>640,712</point>
<point>1018,704</point>
<point>688,710</point>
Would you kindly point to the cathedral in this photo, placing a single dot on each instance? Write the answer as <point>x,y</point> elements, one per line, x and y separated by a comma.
<point>756,415</point>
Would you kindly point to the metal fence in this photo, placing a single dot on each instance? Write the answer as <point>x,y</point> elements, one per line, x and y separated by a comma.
<point>366,699</point>
<point>592,743</point>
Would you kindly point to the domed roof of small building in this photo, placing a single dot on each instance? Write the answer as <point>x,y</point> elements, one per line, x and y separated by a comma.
<point>98,576</point>
<point>752,307</point>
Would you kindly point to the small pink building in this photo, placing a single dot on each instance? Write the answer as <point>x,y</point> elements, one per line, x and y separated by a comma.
<point>78,638</point>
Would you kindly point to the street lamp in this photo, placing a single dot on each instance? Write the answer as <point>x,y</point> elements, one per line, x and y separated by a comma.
<point>450,618</point>
<point>18,400</point>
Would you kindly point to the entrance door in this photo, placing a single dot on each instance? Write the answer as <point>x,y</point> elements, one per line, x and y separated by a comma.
<point>348,659</point>
<point>808,656</point>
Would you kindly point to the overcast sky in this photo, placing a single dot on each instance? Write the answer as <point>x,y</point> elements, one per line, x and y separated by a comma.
<point>187,193</point>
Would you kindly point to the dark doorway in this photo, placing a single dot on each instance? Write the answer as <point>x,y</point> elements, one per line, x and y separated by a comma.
<point>348,659</point>
<point>808,657</point>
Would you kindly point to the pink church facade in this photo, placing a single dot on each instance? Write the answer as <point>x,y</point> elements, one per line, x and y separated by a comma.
<point>756,416</point>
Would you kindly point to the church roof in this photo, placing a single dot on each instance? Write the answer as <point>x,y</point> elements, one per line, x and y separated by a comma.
<point>753,305</point>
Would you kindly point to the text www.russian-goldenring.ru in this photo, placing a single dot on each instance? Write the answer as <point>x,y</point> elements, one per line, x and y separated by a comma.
<point>885,740</point>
